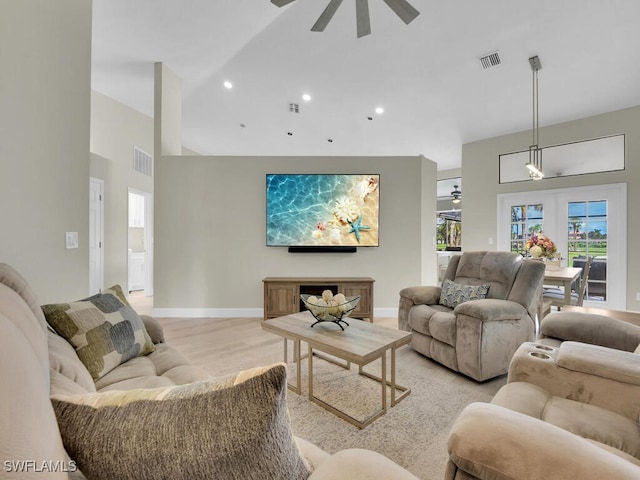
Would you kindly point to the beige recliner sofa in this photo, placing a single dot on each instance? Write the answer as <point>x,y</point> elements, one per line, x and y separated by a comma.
<point>36,364</point>
<point>477,337</point>
<point>569,409</point>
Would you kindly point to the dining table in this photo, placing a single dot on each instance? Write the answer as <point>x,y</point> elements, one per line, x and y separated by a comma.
<point>563,277</point>
<point>558,276</point>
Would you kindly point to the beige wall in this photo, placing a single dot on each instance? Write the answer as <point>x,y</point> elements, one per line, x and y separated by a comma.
<point>210,230</point>
<point>480,179</point>
<point>210,215</point>
<point>44,143</point>
<point>115,130</point>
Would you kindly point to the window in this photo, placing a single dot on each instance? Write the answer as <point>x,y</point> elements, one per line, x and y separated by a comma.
<point>449,214</point>
<point>597,155</point>
<point>525,221</point>
<point>587,236</point>
<point>448,230</point>
<point>582,221</point>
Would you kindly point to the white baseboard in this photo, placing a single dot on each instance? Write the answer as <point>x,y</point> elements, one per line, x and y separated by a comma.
<point>239,312</point>
<point>207,312</point>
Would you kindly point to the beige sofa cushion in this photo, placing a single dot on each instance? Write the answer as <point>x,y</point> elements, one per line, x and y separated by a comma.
<point>166,366</point>
<point>591,328</point>
<point>495,268</point>
<point>453,294</point>
<point>600,361</point>
<point>491,442</point>
<point>104,330</point>
<point>233,428</point>
<point>587,421</point>
<point>64,360</point>
<point>16,282</point>
<point>27,422</point>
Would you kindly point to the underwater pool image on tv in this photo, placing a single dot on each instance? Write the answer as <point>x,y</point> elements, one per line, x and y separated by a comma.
<point>322,210</point>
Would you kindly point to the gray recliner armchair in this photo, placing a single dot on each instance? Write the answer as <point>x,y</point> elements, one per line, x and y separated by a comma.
<point>476,337</point>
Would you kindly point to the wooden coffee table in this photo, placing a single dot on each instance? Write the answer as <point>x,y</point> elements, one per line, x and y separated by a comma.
<point>360,343</point>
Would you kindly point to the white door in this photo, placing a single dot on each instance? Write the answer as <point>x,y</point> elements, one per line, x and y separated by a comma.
<point>581,221</point>
<point>96,235</point>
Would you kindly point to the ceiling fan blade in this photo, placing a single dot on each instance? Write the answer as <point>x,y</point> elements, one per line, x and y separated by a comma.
<point>326,16</point>
<point>403,9</point>
<point>281,3</point>
<point>362,18</point>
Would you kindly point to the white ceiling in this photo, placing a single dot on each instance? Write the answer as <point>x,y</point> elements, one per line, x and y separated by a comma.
<point>426,74</point>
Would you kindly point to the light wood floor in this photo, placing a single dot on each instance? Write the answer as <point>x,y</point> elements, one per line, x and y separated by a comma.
<point>226,345</point>
<point>220,345</point>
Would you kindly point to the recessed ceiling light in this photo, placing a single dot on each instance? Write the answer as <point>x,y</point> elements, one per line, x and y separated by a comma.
<point>379,110</point>
<point>306,97</point>
<point>228,84</point>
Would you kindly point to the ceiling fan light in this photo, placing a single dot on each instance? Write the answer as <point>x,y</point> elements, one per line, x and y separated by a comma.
<point>456,195</point>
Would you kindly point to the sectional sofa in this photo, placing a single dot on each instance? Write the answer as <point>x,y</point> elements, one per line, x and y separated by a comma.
<point>137,408</point>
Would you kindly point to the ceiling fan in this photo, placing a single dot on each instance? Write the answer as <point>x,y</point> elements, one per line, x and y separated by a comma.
<point>456,195</point>
<point>402,8</point>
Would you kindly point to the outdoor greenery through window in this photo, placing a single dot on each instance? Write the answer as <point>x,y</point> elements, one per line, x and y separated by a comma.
<point>587,237</point>
<point>448,230</point>
<point>525,221</point>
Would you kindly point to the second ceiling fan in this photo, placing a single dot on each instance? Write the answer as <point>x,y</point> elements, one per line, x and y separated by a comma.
<point>402,8</point>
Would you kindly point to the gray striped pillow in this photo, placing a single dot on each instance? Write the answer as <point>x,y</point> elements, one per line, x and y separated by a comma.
<point>237,428</point>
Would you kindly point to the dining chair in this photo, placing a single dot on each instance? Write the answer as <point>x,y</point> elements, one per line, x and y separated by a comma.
<point>554,296</point>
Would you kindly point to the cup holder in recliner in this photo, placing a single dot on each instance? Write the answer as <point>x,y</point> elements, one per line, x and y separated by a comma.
<point>540,355</point>
<point>544,347</point>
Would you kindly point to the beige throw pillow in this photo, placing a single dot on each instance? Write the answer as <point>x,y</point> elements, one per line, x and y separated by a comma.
<point>234,428</point>
<point>104,330</point>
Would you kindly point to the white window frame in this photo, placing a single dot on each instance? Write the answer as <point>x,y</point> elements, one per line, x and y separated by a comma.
<point>554,203</point>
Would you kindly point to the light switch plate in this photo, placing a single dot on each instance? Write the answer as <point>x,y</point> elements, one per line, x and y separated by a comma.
<point>71,240</point>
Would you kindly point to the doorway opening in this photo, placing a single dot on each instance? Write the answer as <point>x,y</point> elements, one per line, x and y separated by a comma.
<point>140,242</point>
<point>96,235</point>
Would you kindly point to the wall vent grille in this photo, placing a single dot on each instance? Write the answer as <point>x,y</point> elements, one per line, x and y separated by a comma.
<point>490,60</point>
<point>142,162</point>
<point>294,108</point>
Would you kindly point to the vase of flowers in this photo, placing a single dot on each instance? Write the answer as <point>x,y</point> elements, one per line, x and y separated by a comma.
<point>540,246</point>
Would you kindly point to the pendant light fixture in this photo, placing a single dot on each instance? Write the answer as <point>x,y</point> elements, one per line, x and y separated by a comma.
<point>535,151</point>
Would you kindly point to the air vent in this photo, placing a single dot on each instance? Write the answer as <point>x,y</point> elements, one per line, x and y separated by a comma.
<point>294,108</point>
<point>490,60</point>
<point>142,162</point>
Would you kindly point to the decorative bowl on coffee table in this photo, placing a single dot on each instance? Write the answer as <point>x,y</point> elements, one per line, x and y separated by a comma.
<point>333,311</point>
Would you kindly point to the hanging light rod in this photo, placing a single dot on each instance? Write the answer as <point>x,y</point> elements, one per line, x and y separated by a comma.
<point>535,151</point>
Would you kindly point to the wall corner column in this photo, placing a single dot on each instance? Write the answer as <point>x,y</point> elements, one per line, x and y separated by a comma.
<point>167,116</point>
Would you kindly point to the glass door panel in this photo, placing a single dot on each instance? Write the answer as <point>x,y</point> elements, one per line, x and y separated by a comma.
<point>587,236</point>
<point>582,221</point>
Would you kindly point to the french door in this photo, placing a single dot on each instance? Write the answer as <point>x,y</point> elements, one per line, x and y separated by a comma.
<point>581,221</point>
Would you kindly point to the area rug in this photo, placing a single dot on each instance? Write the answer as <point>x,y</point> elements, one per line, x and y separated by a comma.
<point>413,433</point>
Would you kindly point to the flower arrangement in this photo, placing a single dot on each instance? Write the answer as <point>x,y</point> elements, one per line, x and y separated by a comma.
<point>539,246</point>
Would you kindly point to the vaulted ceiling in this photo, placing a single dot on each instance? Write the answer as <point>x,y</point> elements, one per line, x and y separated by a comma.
<point>425,75</point>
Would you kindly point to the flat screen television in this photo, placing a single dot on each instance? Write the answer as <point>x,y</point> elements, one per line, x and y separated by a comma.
<point>323,210</point>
